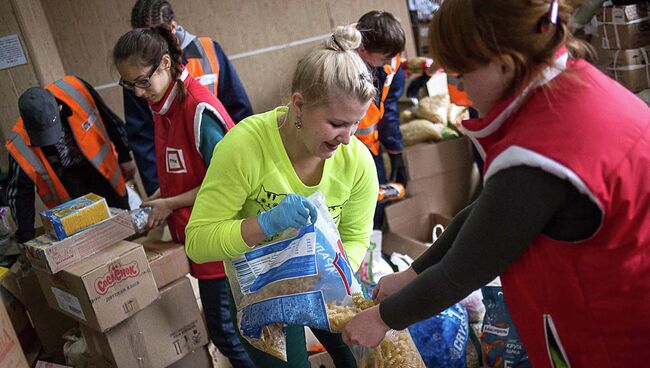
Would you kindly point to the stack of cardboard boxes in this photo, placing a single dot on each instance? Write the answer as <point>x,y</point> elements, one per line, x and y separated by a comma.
<point>133,302</point>
<point>624,47</point>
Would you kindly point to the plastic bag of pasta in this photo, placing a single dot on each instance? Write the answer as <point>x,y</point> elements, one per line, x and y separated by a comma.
<point>397,349</point>
<point>302,279</point>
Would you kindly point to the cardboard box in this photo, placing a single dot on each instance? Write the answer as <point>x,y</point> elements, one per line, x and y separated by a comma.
<point>73,216</point>
<point>443,173</point>
<point>410,224</point>
<point>624,26</point>
<point>167,260</point>
<point>50,324</point>
<point>11,354</point>
<point>636,78</point>
<point>160,335</point>
<point>199,358</point>
<point>20,321</point>
<point>618,58</point>
<point>321,360</point>
<point>52,255</point>
<point>104,289</point>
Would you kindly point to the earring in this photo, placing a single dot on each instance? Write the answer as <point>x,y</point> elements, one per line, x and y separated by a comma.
<point>298,123</point>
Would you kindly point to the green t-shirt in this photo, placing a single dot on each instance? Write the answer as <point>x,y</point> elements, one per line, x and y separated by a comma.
<point>250,172</point>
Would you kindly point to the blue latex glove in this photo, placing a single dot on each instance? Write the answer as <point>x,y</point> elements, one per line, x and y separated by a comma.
<point>294,211</point>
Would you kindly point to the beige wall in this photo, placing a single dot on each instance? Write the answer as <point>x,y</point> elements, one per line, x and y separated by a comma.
<point>84,35</point>
<point>76,37</point>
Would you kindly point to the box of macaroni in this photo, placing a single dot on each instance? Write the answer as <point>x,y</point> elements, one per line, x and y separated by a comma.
<point>73,216</point>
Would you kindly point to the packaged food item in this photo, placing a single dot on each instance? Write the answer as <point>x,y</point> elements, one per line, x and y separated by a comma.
<point>420,130</point>
<point>397,349</point>
<point>434,108</point>
<point>140,217</point>
<point>391,192</point>
<point>73,216</point>
<point>302,279</point>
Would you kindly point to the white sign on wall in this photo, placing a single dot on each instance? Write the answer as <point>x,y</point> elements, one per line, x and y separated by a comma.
<point>11,52</point>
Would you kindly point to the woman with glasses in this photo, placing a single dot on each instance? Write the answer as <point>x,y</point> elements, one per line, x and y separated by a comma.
<point>189,121</point>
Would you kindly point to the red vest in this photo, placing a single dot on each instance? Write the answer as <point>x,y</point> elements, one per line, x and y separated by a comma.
<point>591,296</point>
<point>180,165</point>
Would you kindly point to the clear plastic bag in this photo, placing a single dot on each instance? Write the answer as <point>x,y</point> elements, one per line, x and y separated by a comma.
<point>397,349</point>
<point>304,278</point>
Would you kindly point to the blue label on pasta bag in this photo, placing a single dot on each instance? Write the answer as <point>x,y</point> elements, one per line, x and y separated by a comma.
<point>299,309</point>
<point>284,259</point>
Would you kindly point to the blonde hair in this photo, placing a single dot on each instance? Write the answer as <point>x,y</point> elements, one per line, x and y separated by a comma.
<point>467,34</point>
<point>334,66</point>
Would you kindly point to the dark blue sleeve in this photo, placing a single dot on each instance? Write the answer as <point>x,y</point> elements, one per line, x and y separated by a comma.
<point>140,133</point>
<point>231,92</point>
<point>389,133</point>
<point>20,195</point>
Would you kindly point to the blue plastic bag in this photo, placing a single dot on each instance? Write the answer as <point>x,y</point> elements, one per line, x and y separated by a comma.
<point>442,339</point>
<point>500,343</point>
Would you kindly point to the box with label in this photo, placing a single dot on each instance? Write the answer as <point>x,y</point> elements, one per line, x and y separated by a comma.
<point>105,288</point>
<point>159,335</point>
<point>619,58</point>
<point>73,216</point>
<point>167,260</point>
<point>636,78</point>
<point>52,255</point>
<point>11,354</point>
<point>20,321</point>
<point>624,26</point>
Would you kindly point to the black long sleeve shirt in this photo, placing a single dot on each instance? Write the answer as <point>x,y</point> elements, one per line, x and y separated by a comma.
<point>514,208</point>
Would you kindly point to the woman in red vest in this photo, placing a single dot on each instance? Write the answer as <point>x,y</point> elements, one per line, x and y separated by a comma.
<point>188,121</point>
<point>563,217</point>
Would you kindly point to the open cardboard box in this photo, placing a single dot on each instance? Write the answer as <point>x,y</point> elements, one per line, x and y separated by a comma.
<point>410,224</point>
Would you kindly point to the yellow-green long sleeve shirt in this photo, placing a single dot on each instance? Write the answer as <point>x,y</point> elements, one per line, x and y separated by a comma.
<point>251,172</point>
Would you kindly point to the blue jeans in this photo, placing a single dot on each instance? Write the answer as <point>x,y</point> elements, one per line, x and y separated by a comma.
<point>222,330</point>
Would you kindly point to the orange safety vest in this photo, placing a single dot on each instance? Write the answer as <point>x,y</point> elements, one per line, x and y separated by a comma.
<point>89,133</point>
<point>367,130</point>
<point>457,93</point>
<point>206,68</point>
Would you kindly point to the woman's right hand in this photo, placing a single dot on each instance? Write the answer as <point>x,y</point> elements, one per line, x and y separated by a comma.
<point>294,211</point>
<point>390,284</point>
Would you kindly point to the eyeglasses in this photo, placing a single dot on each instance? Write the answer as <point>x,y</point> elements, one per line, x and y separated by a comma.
<point>141,82</point>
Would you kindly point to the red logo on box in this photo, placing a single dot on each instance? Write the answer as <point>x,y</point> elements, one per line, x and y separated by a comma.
<point>117,273</point>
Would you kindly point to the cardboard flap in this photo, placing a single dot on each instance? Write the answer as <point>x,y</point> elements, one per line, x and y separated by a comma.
<point>102,259</point>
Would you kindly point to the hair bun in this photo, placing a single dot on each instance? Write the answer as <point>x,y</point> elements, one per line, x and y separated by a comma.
<point>344,38</point>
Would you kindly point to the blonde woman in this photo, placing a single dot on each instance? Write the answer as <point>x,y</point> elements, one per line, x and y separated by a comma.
<point>264,169</point>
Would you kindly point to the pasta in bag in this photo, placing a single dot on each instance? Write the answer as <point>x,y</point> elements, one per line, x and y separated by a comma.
<point>302,279</point>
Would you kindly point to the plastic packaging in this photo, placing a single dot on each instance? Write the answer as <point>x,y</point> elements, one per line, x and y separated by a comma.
<point>139,217</point>
<point>303,279</point>
<point>391,192</point>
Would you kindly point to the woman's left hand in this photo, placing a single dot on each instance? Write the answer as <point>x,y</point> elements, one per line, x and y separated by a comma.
<point>160,210</point>
<point>366,328</point>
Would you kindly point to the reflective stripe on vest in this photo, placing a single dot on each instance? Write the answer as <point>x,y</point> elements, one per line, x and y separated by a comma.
<point>33,162</point>
<point>206,68</point>
<point>90,135</point>
<point>367,131</point>
<point>88,130</point>
<point>457,93</point>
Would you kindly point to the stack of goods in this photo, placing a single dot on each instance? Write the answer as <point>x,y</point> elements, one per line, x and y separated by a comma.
<point>624,52</point>
<point>133,303</point>
<point>434,119</point>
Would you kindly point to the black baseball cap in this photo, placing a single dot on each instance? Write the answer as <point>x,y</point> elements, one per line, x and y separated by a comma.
<point>40,113</point>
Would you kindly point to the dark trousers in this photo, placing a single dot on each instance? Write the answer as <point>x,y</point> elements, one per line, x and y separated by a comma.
<point>378,219</point>
<point>222,330</point>
<point>296,347</point>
